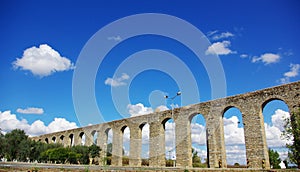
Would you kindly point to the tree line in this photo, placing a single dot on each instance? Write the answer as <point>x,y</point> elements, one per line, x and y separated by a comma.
<point>17,146</point>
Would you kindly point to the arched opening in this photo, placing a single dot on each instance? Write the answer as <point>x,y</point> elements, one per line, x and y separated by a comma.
<point>109,136</point>
<point>83,138</point>
<point>145,144</point>
<point>71,137</point>
<point>199,141</point>
<point>95,137</point>
<point>53,139</point>
<point>234,138</point>
<point>62,139</point>
<point>275,112</point>
<point>170,148</point>
<point>47,140</point>
<point>126,145</point>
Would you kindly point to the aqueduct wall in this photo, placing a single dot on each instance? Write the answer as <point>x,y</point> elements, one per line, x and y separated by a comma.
<point>250,104</point>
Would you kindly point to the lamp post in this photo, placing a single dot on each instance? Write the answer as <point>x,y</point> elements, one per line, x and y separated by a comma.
<point>172,109</point>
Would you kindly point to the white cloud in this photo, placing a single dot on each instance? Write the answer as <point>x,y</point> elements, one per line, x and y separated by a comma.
<point>42,61</point>
<point>222,35</point>
<point>267,58</point>
<point>9,121</point>
<point>274,130</point>
<point>138,109</point>
<point>31,110</point>
<point>294,71</point>
<point>115,38</point>
<point>118,81</point>
<point>220,48</point>
<point>232,133</point>
<point>244,55</point>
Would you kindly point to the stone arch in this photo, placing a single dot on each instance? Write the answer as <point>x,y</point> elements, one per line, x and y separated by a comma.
<point>61,139</point>
<point>145,143</point>
<point>169,140</point>
<point>268,100</point>
<point>94,137</point>
<point>234,136</point>
<point>125,144</point>
<point>194,127</point>
<point>273,110</point>
<point>53,139</point>
<point>71,140</point>
<point>82,137</point>
<point>108,145</point>
<point>46,140</point>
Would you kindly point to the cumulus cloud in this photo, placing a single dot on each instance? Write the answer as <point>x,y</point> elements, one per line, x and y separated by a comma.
<point>31,110</point>
<point>117,81</point>
<point>293,72</point>
<point>9,121</point>
<point>42,61</point>
<point>274,130</point>
<point>138,109</point>
<point>267,58</point>
<point>220,48</point>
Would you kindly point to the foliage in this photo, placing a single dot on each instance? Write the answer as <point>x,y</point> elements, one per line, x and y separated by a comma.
<point>197,160</point>
<point>274,159</point>
<point>94,150</point>
<point>109,149</point>
<point>292,132</point>
<point>2,146</point>
<point>16,145</point>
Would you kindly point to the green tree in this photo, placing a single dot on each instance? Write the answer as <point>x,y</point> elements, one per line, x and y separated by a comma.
<point>274,159</point>
<point>16,143</point>
<point>292,132</point>
<point>2,144</point>
<point>94,150</point>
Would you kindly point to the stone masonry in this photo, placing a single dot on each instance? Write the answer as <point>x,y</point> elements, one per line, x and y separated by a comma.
<point>250,104</point>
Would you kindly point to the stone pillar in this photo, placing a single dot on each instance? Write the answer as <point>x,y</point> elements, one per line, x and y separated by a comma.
<point>102,142</point>
<point>88,139</point>
<point>212,157</point>
<point>135,146</point>
<point>77,139</point>
<point>215,139</point>
<point>220,141</point>
<point>255,137</point>
<point>67,140</point>
<point>183,142</point>
<point>117,147</point>
<point>157,145</point>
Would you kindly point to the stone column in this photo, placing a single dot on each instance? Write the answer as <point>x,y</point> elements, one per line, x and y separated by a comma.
<point>157,145</point>
<point>102,142</point>
<point>117,147</point>
<point>77,139</point>
<point>220,141</point>
<point>255,137</point>
<point>215,139</point>
<point>183,142</point>
<point>135,146</point>
<point>211,144</point>
<point>88,139</point>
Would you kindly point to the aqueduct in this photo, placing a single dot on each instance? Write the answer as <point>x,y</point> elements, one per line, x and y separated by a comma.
<point>250,104</point>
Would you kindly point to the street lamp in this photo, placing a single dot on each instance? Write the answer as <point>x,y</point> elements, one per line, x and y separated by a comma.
<point>172,108</point>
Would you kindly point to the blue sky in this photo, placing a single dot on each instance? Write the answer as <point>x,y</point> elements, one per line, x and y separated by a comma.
<point>257,43</point>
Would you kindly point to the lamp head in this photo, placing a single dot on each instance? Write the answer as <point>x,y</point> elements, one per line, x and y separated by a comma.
<point>178,93</point>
